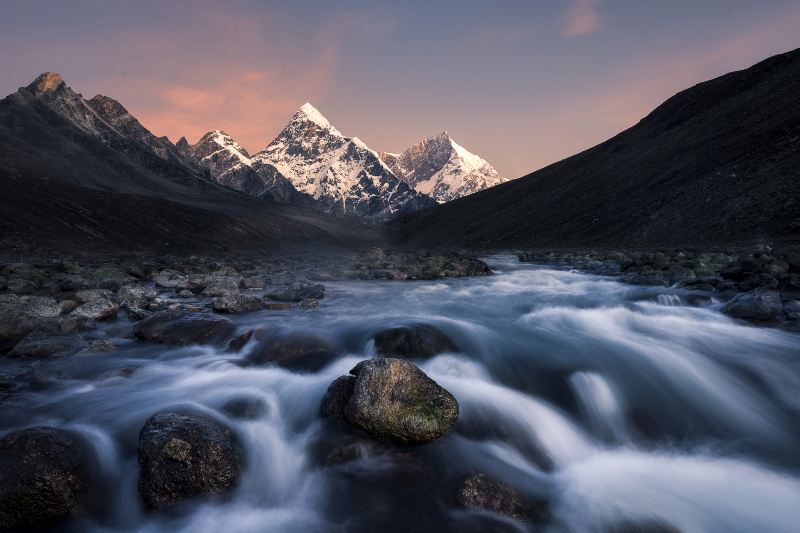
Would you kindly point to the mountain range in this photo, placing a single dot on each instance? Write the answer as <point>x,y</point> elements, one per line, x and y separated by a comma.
<point>311,163</point>
<point>718,163</point>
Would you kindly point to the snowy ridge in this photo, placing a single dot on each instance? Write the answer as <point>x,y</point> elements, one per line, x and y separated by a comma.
<point>443,169</point>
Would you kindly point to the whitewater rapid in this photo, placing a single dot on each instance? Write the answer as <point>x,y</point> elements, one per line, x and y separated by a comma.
<point>617,405</point>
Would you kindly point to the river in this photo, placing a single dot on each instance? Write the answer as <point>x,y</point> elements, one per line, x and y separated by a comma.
<point>617,405</point>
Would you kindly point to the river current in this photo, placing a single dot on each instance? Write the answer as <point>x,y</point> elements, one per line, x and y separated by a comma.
<point>618,406</point>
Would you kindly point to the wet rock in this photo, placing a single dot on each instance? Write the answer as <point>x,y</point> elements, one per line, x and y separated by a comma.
<point>336,397</point>
<point>185,455</point>
<point>418,340</point>
<point>110,277</point>
<point>239,341</point>
<point>21,286</point>
<point>245,408</point>
<point>135,296</point>
<point>44,476</point>
<point>309,303</point>
<point>100,309</point>
<point>298,292</point>
<point>46,346</point>
<point>758,281</point>
<point>169,279</point>
<point>12,306</point>
<point>791,309</point>
<point>222,286</point>
<point>89,295</point>
<point>755,305</point>
<point>254,282</point>
<point>178,326</point>
<point>294,351</point>
<point>278,306</point>
<point>649,279</point>
<point>237,303</point>
<point>395,401</point>
<point>123,372</point>
<point>100,346</point>
<point>480,492</point>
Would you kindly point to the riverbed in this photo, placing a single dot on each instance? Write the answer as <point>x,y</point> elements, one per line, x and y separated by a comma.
<point>612,405</point>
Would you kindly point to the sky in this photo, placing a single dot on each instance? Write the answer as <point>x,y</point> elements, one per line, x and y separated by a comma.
<point>521,83</point>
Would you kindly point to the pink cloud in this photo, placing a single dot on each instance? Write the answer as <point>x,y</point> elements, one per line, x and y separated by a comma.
<point>581,18</point>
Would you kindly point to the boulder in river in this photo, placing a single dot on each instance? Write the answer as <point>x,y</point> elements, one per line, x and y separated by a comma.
<point>394,401</point>
<point>237,303</point>
<point>298,292</point>
<point>185,455</point>
<point>480,492</point>
<point>336,397</point>
<point>418,340</point>
<point>294,350</point>
<point>178,326</point>
<point>135,296</point>
<point>46,346</point>
<point>99,309</point>
<point>44,476</point>
<point>755,305</point>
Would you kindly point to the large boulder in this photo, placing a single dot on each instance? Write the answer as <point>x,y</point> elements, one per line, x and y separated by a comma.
<point>222,286</point>
<point>479,492</point>
<point>237,303</point>
<point>46,346</point>
<point>185,455</point>
<point>336,397</point>
<point>99,309</point>
<point>755,305</point>
<point>44,476</point>
<point>298,292</point>
<point>419,340</point>
<point>178,326</point>
<point>395,401</point>
<point>294,350</point>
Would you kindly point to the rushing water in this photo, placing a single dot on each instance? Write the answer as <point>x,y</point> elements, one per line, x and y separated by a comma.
<point>615,404</point>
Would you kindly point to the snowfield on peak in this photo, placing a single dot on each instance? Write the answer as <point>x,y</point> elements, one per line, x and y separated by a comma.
<point>443,169</point>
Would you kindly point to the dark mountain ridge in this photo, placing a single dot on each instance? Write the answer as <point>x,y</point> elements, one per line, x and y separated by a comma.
<point>718,163</point>
<point>71,180</point>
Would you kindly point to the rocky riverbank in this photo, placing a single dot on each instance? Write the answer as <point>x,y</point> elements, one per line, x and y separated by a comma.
<point>757,284</point>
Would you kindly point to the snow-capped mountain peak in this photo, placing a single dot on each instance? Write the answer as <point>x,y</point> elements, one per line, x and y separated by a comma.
<point>341,173</point>
<point>225,142</point>
<point>441,168</point>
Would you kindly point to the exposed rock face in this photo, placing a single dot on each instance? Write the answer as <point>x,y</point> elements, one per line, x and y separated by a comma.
<point>480,492</point>
<point>176,326</point>
<point>755,305</point>
<point>298,292</point>
<point>418,340</point>
<point>44,475</point>
<point>293,350</point>
<point>340,173</point>
<point>442,169</point>
<point>393,401</point>
<point>185,455</point>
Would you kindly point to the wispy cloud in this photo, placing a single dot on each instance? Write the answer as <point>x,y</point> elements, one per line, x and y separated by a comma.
<point>581,18</point>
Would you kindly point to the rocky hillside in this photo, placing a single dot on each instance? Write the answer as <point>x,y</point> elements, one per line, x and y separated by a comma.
<point>441,168</point>
<point>716,163</point>
<point>85,175</point>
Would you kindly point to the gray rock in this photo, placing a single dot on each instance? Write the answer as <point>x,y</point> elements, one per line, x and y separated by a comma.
<point>135,296</point>
<point>44,477</point>
<point>21,286</point>
<point>237,303</point>
<point>177,326</point>
<point>185,455</point>
<point>100,309</point>
<point>89,295</point>
<point>336,397</point>
<point>293,350</point>
<point>755,305</point>
<point>417,340</point>
<point>395,401</point>
<point>480,492</point>
<point>298,292</point>
<point>46,346</point>
<point>222,286</point>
